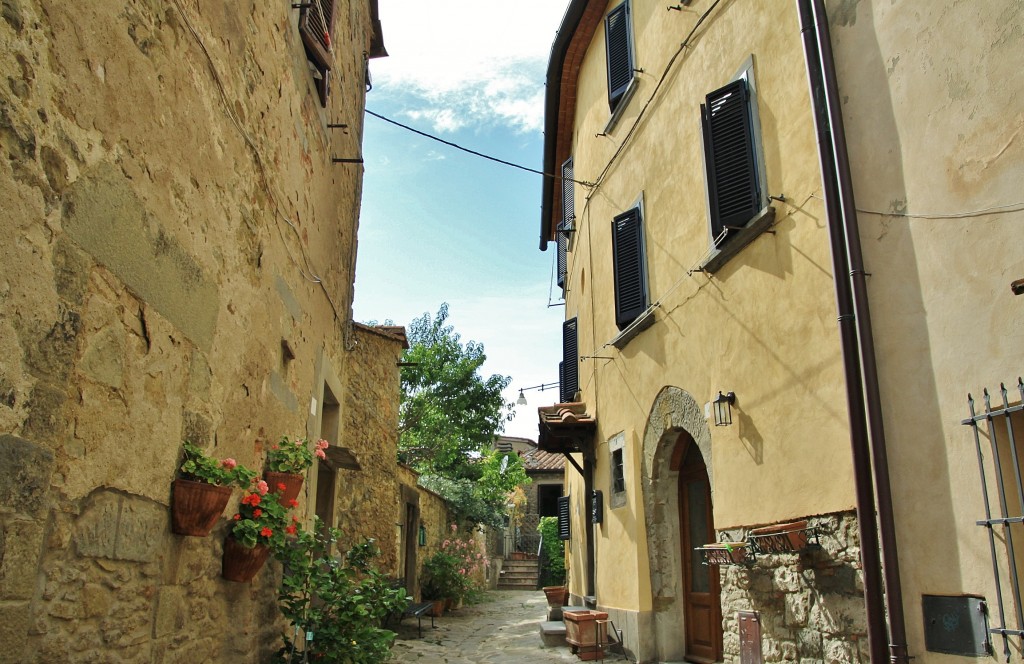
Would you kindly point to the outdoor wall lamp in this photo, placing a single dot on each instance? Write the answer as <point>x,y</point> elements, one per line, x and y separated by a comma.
<point>521,401</point>
<point>723,408</point>
<point>423,535</point>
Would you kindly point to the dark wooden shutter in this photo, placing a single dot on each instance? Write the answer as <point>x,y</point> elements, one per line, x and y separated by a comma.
<point>628,264</point>
<point>316,26</point>
<point>620,55</point>
<point>563,517</point>
<point>729,151</point>
<point>568,214</point>
<point>569,372</point>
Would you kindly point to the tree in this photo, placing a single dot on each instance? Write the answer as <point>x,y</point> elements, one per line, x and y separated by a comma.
<point>450,416</point>
<point>449,413</point>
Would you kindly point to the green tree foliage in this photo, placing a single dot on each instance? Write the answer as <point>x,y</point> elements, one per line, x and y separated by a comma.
<point>552,571</point>
<point>450,416</point>
<point>449,411</point>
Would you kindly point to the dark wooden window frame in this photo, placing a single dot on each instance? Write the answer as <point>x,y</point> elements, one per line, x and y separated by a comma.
<point>316,25</point>
<point>564,520</point>
<point>619,59</point>
<point>569,375</point>
<point>629,266</point>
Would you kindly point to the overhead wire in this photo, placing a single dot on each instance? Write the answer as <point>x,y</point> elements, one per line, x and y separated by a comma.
<point>474,152</point>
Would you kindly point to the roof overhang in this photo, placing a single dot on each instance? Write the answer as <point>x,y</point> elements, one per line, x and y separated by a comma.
<point>572,40</point>
<point>566,428</point>
<point>377,49</point>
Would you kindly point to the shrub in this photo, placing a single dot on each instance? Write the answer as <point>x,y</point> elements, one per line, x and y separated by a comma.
<point>552,571</point>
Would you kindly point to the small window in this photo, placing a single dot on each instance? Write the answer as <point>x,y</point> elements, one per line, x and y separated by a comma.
<point>568,370</point>
<point>629,267</point>
<point>547,499</point>
<point>618,473</point>
<point>316,25</point>
<point>563,518</point>
<point>568,217</point>
<point>618,40</point>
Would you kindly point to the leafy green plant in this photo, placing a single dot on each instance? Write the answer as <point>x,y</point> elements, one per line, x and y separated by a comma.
<point>294,456</point>
<point>199,467</point>
<point>439,578</point>
<point>553,569</point>
<point>262,519</point>
<point>335,606</point>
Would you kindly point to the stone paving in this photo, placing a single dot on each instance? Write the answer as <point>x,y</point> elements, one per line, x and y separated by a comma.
<point>503,629</point>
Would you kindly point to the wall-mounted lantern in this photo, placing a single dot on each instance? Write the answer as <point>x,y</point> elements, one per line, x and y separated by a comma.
<point>423,535</point>
<point>723,408</point>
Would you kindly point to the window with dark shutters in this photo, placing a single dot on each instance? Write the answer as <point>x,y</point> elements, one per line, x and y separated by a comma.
<point>568,215</point>
<point>569,371</point>
<point>733,187</point>
<point>316,25</point>
<point>563,517</point>
<point>620,53</point>
<point>629,268</point>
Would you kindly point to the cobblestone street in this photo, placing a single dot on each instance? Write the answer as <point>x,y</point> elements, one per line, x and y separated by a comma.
<point>503,629</point>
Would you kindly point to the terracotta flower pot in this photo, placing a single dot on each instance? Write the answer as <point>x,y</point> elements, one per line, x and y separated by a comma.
<point>292,485</point>
<point>782,538</point>
<point>437,610</point>
<point>558,596</point>
<point>242,563</point>
<point>196,506</point>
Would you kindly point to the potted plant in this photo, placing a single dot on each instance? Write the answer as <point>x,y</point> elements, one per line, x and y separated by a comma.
<point>286,462</point>
<point>441,580</point>
<point>200,495</point>
<point>259,526</point>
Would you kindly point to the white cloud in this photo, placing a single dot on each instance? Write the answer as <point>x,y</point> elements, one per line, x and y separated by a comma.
<point>463,62</point>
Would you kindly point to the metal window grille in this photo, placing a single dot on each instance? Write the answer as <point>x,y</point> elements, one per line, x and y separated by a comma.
<point>1011,507</point>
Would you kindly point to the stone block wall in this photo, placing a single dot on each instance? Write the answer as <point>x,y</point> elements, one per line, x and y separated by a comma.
<point>810,605</point>
<point>176,256</point>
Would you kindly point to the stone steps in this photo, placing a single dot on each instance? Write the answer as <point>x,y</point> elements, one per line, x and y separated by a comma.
<point>518,575</point>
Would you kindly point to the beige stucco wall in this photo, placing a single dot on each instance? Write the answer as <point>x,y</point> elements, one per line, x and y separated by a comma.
<point>168,197</point>
<point>764,326</point>
<point>934,111</point>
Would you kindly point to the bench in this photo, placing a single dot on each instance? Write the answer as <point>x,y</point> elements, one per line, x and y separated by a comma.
<point>418,611</point>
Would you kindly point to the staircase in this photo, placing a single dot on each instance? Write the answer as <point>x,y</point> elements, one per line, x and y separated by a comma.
<point>519,574</point>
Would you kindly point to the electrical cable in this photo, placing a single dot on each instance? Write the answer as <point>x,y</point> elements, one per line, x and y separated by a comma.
<point>473,152</point>
<point>995,209</point>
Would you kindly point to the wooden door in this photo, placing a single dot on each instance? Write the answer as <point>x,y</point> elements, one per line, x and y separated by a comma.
<point>702,609</point>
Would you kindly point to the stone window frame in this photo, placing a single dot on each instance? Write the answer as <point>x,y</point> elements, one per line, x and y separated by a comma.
<point>617,447</point>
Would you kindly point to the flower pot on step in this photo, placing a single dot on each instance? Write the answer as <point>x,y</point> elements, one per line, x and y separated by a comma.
<point>241,563</point>
<point>558,596</point>
<point>196,506</point>
<point>291,481</point>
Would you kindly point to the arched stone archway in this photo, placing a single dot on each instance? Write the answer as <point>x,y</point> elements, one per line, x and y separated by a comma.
<point>674,411</point>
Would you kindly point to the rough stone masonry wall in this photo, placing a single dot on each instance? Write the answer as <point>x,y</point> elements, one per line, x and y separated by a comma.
<point>366,498</point>
<point>170,215</point>
<point>811,605</point>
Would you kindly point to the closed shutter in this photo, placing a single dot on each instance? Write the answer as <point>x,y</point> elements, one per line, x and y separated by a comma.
<point>628,265</point>
<point>733,188</point>
<point>568,214</point>
<point>569,372</point>
<point>620,55</point>
<point>563,517</point>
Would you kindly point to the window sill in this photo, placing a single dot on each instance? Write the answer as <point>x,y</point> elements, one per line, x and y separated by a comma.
<point>623,103</point>
<point>643,321</point>
<point>617,500</point>
<point>721,255</point>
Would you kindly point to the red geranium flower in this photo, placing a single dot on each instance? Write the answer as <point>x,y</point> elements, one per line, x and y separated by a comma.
<point>281,486</point>
<point>293,503</point>
<point>266,532</point>
<point>290,529</point>
<point>237,517</point>
<point>257,512</point>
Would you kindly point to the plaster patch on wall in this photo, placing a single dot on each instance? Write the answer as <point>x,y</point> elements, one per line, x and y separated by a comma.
<point>107,219</point>
<point>843,13</point>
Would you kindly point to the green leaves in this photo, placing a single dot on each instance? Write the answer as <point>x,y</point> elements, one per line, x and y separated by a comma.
<point>199,467</point>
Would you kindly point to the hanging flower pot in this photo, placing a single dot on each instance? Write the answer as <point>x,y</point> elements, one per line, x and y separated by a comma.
<point>292,485</point>
<point>241,563</point>
<point>196,506</point>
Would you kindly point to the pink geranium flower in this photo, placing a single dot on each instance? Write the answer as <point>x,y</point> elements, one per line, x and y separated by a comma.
<point>229,463</point>
<point>262,487</point>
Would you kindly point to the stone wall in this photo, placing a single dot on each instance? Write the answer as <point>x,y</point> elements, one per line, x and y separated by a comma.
<point>176,257</point>
<point>810,605</point>
<point>433,515</point>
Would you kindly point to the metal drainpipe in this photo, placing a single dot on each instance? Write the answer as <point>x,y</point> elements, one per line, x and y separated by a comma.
<point>865,340</point>
<point>864,492</point>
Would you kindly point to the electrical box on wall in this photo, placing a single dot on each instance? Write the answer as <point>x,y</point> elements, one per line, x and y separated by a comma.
<point>956,625</point>
<point>596,507</point>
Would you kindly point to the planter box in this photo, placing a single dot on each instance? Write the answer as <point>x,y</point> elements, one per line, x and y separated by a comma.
<point>585,628</point>
<point>783,538</point>
<point>732,553</point>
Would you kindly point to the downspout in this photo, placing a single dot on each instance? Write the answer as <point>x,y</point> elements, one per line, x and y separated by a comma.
<point>863,488</point>
<point>588,494</point>
<point>836,173</point>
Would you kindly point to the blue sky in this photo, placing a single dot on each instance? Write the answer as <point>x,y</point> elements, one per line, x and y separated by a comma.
<point>440,225</point>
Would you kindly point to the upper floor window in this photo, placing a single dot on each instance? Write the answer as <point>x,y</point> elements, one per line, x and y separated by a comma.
<point>568,370</point>
<point>738,207</point>
<point>629,266</point>
<point>316,25</point>
<point>618,38</point>
<point>568,217</point>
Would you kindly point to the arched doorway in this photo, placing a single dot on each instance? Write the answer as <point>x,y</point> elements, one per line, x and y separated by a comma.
<point>702,606</point>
